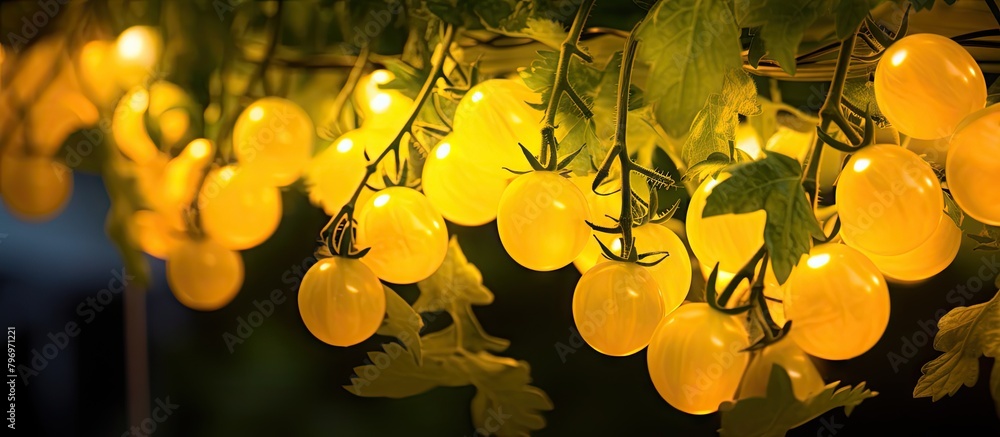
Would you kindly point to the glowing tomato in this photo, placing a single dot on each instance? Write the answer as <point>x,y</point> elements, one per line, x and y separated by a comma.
<point>973,167</point>
<point>928,259</point>
<point>156,235</point>
<point>695,358</point>
<point>238,210</point>
<point>838,303</point>
<point>273,137</point>
<point>100,86</point>
<point>172,186</point>
<point>462,190</point>
<point>730,239</point>
<point>806,380</point>
<point>203,275</point>
<point>407,236</point>
<point>128,126</point>
<point>542,221</point>
<point>341,301</point>
<point>496,111</point>
<point>616,307</point>
<point>381,108</point>
<point>334,175</point>
<point>34,188</point>
<point>601,207</point>
<point>673,274</point>
<point>889,200</point>
<point>748,140</point>
<point>926,84</point>
<point>137,50</point>
<point>795,144</point>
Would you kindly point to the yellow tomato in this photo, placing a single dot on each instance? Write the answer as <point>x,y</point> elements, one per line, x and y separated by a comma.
<point>175,183</point>
<point>838,303</point>
<point>238,210</point>
<point>730,239</point>
<point>273,138</point>
<point>889,200</point>
<point>925,84</point>
<point>34,188</point>
<point>748,140</point>
<point>616,307</point>
<point>407,236</point>
<point>170,109</point>
<point>673,274</point>
<point>464,191</point>
<point>806,380</point>
<point>795,144</point>
<point>334,175</point>
<point>341,301</point>
<point>95,56</point>
<point>381,108</point>
<point>203,275</point>
<point>695,358</point>
<point>601,207</point>
<point>928,259</point>
<point>128,126</point>
<point>156,235</point>
<point>973,168</point>
<point>542,221</point>
<point>496,111</point>
<point>137,50</point>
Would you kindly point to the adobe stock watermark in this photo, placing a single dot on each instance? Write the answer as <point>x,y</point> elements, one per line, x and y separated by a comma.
<point>32,25</point>
<point>960,295</point>
<point>160,413</point>
<point>245,325</point>
<point>87,311</point>
<point>371,26</point>
<point>493,420</point>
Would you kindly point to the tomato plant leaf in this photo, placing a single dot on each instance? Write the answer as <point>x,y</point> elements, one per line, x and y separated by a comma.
<point>521,19</point>
<point>781,411</point>
<point>850,14</point>
<point>715,124</point>
<point>402,322</point>
<point>927,4</point>
<point>988,238</point>
<point>781,24</point>
<point>859,96</point>
<point>504,396</point>
<point>951,208</point>
<point>773,184</point>
<point>964,334</point>
<point>690,46</point>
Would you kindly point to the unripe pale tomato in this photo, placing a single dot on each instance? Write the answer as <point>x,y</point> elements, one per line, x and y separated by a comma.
<point>128,126</point>
<point>889,200</point>
<point>464,191</point>
<point>616,307</point>
<point>730,239</point>
<point>838,303</point>
<point>925,84</point>
<point>137,50</point>
<point>237,210</point>
<point>273,137</point>
<point>34,188</point>
<point>155,234</point>
<point>407,236</point>
<point>695,358</point>
<point>496,111</point>
<point>341,301</point>
<point>381,108</point>
<point>542,221</point>
<point>673,274</point>
<point>204,275</point>
<point>806,380</point>
<point>928,259</point>
<point>334,174</point>
<point>973,167</point>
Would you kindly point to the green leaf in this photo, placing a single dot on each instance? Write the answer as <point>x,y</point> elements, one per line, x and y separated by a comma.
<point>850,14</point>
<point>541,77</point>
<point>520,19</point>
<point>583,134</point>
<point>781,24</point>
<point>773,184</point>
<point>710,167</point>
<point>455,287</point>
<point>859,95</point>
<point>395,373</point>
<point>964,334</point>
<point>408,79</point>
<point>504,396</point>
<point>927,4</point>
<point>715,125</point>
<point>781,411</point>
<point>952,209</point>
<point>690,45</point>
<point>402,322</point>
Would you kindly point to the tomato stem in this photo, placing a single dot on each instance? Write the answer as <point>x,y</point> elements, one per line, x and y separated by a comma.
<point>345,93</point>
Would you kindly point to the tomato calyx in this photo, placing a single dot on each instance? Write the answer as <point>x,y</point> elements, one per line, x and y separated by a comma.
<point>757,304</point>
<point>341,239</point>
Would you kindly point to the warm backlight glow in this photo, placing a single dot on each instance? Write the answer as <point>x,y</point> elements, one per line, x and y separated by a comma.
<point>345,145</point>
<point>380,103</point>
<point>381,200</point>
<point>898,58</point>
<point>133,42</point>
<point>256,114</point>
<point>477,96</point>
<point>861,164</point>
<point>818,261</point>
<point>443,150</point>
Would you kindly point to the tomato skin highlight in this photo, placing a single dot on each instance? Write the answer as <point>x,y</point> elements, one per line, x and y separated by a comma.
<point>695,358</point>
<point>203,275</point>
<point>889,200</point>
<point>407,236</point>
<point>334,174</point>
<point>925,84</point>
<point>462,189</point>
<point>341,301</point>
<point>542,221</point>
<point>973,166</point>
<point>616,307</point>
<point>838,303</point>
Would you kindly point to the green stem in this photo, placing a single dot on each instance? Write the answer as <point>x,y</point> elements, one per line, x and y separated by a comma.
<point>345,93</point>
<point>560,85</point>
<point>425,92</point>
<point>621,129</point>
